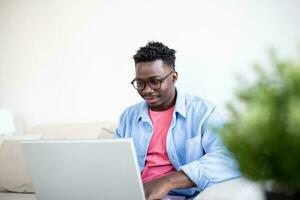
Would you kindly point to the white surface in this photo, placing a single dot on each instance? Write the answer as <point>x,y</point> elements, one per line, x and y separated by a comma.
<point>235,189</point>
<point>83,169</point>
<point>173,198</point>
<point>16,196</point>
<point>7,125</point>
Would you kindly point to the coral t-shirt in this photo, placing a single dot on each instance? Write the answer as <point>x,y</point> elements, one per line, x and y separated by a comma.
<point>157,160</point>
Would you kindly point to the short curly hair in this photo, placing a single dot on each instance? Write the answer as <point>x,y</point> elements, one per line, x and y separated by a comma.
<point>155,51</point>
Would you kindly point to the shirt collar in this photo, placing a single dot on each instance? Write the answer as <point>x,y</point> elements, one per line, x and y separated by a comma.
<point>144,112</point>
<point>180,103</point>
<point>179,107</point>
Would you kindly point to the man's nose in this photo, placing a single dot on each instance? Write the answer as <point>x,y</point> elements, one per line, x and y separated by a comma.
<point>147,89</point>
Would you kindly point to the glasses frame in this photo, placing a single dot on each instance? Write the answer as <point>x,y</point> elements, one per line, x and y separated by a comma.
<point>146,82</point>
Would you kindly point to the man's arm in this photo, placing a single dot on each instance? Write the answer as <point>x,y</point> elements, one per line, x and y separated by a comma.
<point>158,188</point>
<point>217,164</point>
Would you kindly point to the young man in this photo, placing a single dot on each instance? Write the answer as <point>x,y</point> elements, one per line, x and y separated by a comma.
<point>177,149</point>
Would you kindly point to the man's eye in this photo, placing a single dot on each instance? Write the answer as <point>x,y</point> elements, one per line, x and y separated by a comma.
<point>139,82</point>
<point>154,82</point>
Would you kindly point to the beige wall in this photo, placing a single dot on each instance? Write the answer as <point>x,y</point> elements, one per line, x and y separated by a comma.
<point>70,61</point>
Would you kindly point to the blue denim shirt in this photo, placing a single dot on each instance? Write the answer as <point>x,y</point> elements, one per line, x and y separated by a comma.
<point>192,143</point>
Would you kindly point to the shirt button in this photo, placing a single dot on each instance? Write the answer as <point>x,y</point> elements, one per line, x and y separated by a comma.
<point>142,155</point>
<point>149,129</point>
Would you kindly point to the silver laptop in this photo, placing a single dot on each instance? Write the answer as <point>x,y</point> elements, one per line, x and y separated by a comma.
<point>84,169</point>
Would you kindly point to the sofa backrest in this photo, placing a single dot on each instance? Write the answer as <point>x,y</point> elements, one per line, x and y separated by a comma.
<point>100,130</point>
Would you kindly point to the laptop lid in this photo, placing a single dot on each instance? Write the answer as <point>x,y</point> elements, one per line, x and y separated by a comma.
<point>83,169</point>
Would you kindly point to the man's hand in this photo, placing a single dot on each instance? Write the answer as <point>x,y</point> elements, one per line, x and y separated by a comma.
<point>158,188</point>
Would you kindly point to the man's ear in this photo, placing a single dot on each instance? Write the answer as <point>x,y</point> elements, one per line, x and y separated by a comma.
<point>174,76</point>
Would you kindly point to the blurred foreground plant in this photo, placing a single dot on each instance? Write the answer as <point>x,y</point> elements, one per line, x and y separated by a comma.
<point>263,132</point>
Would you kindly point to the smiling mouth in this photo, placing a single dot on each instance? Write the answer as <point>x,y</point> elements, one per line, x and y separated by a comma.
<point>151,99</point>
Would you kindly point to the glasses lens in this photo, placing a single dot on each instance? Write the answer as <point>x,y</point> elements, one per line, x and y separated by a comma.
<point>154,84</point>
<point>138,84</point>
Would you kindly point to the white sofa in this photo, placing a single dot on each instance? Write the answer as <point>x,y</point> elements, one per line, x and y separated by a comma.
<point>15,182</point>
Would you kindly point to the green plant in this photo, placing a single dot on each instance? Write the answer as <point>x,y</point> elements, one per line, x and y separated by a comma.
<point>263,132</point>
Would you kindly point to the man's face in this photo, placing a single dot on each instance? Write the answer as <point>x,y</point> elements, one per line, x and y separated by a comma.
<point>164,97</point>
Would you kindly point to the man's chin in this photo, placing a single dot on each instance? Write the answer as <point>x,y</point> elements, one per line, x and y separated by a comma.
<point>153,106</point>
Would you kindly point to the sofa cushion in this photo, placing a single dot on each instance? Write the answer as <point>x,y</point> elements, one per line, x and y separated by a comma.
<point>107,129</point>
<point>14,176</point>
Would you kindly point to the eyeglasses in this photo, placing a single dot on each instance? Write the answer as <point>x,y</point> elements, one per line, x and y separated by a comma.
<point>153,83</point>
